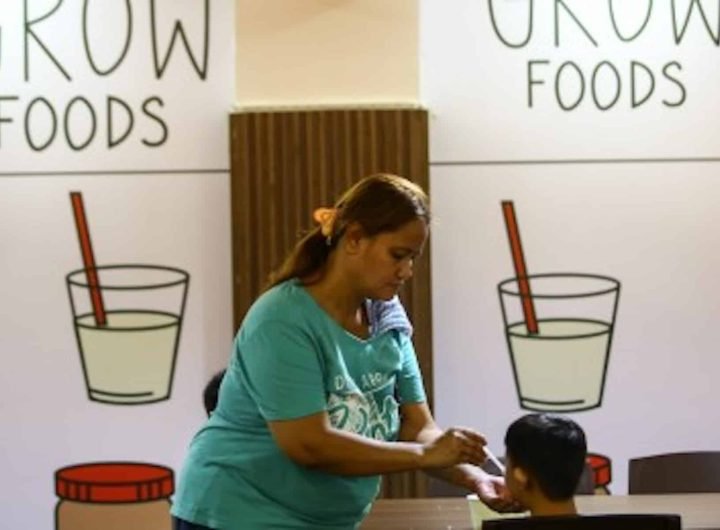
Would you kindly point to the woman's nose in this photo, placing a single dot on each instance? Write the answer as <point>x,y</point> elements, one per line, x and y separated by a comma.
<point>406,271</point>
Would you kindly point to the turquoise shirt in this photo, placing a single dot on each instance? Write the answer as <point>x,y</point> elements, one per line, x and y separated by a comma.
<point>290,360</point>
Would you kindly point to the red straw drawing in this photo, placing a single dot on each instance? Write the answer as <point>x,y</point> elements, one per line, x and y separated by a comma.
<point>88,258</point>
<point>520,268</point>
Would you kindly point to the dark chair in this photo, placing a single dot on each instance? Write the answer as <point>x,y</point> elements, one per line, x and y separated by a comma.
<point>440,488</point>
<point>696,472</point>
<point>588,522</point>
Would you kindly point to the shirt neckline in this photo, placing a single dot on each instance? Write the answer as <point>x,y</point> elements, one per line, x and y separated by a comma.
<point>298,285</point>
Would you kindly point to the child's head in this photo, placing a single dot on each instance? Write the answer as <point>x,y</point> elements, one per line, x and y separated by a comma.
<point>545,458</point>
<point>376,206</point>
<point>210,393</point>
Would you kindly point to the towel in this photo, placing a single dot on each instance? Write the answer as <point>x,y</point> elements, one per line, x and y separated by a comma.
<point>388,315</point>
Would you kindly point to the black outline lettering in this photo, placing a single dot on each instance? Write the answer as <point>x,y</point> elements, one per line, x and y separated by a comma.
<point>632,83</point>
<point>27,124</point>
<point>572,15</point>
<point>110,101</point>
<point>66,125</point>
<point>27,31</point>
<point>530,79</point>
<point>677,82</point>
<point>157,119</point>
<point>178,30</point>
<point>638,32</point>
<point>592,85</point>
<point>86,42</point>
<point>499,35</point>
<point>557,85</point>
<point>679,38</point>
<point>6,120</point>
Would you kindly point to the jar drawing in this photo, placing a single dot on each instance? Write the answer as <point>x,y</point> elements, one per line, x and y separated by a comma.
<point>602,472</point>
<point>113,496</point>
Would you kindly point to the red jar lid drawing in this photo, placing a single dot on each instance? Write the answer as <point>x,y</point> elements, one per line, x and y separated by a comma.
<point>110,482</point>
<point>600,465</point>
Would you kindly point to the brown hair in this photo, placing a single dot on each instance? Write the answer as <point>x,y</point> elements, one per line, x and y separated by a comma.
<point>378,203</point>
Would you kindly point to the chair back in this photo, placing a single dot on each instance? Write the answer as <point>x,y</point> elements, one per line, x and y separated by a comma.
<point>588,522</point>
<point>694,472</point>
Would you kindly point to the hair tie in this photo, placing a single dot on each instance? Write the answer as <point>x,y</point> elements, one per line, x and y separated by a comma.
<point>325,217</point>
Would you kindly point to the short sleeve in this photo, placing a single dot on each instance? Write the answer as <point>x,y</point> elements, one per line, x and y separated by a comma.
<point>282,371</point>
<point>409,383</point>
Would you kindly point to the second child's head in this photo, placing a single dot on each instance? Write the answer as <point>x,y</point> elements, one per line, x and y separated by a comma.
<point>545,458</point>
<point>211,391</point>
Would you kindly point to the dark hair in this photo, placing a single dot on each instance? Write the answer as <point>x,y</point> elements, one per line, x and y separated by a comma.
<point>378,203</point>
<point>550,448</point>
<point>210,394</point>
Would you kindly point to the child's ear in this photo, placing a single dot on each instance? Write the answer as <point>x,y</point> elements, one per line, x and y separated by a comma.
<point>520,476</point>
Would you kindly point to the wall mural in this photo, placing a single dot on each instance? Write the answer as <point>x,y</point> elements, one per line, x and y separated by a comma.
<point>591,118</point>
<point>560,346</point>
<point>102,495</point>
<point>602,472</point>
<point>125,103</point>
<point>127,320</point>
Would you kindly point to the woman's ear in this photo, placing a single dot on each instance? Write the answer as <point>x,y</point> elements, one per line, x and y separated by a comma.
<point>353,237</point>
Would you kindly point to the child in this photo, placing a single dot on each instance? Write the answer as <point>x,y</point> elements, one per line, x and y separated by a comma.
<point>210,393</point>
<point>545,457</point>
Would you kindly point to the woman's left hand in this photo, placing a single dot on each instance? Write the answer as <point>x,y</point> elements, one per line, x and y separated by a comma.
<point>491,490</point>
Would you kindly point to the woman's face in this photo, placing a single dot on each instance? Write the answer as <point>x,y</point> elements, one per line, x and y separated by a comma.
<point>384,262</point>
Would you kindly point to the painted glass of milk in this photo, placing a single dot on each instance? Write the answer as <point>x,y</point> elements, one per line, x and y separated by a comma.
<point>129,357</point>
<point>563,365</point>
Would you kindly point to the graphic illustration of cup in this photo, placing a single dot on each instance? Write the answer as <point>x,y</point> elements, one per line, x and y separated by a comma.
<point>559,329</point>
<point>131,358</point>
<point>561,367</point>
<point>127,321</point>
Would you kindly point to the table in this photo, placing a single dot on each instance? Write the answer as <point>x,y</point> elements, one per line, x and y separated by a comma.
<point>699,511</point>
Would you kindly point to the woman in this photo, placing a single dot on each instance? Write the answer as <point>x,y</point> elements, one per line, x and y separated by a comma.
<point>323,392</point>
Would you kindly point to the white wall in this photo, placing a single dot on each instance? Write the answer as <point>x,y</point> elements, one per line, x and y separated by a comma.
<point>627,192</point>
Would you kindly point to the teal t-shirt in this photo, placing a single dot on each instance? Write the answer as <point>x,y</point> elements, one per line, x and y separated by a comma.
<point>291,359</point>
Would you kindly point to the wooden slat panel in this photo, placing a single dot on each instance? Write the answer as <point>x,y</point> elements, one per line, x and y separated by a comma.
<point>285,164</point>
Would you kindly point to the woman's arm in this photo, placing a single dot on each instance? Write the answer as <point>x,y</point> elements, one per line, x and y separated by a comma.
<point>311,441</point>
<point>418,425</point>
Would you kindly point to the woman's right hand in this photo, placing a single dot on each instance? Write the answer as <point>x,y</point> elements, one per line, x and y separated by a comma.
<point>455,446</point>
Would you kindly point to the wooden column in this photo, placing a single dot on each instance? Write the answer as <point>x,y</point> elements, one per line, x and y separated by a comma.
<point>286,164</point>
